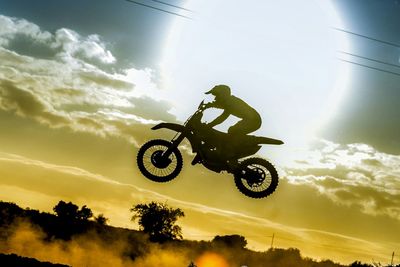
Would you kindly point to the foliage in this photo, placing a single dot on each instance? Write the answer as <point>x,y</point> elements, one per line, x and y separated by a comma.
<point>65,210</point>
<point>100,219</point>
<point>84,213</point>
<point>158,221</point>
<point>70,211</point>
<point>8,212</point>
<point>374,264</point>
<point>284,257</point>
<point>236,241</point>
<point>359,264</point>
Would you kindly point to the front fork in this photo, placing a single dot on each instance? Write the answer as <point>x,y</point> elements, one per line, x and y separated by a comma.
<point>174,144</point>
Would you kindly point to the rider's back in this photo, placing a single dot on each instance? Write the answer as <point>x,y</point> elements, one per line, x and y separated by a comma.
<point>237,107</point>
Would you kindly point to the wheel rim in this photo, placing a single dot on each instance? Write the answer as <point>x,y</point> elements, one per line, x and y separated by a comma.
<point>158,160</point>
<point>156,164</point>
<point>256,178</point>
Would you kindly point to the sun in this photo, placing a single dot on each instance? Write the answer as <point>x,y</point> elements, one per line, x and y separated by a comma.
<point>211,259</point>
<point>279,56</point>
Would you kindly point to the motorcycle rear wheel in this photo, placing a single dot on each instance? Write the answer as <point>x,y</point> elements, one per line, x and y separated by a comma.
<point>256,178</point>
<point>154,166</point>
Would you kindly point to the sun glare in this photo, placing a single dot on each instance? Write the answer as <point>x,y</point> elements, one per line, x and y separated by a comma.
<point>211,259</point>
<point>279,56</point>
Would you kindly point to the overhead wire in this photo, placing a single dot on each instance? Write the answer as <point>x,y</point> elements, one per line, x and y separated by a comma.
<point>171,5</point>
<point>370,67</point>
<point>159,9</point>
<point>370,59</point>
<point>367,37</point>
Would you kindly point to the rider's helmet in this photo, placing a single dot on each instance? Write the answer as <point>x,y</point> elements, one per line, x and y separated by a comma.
<point>220,91</point>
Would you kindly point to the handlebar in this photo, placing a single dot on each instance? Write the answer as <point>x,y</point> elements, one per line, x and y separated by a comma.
<point>201,106</point>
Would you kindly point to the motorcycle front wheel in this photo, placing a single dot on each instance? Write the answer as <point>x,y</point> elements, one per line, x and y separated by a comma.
<point>256,178</point>
<point>154,165</point>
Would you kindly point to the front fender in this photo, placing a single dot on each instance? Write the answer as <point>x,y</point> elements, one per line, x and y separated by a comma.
<point>171,126</point>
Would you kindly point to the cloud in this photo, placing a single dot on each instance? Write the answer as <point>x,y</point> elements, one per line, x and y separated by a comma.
<point>106,80</point>
<point>25,103</point>
<point>73,89</point>
<point>11,27</point>
<point>73,45</point>
<point>353,174</point>
<point>68,43</point>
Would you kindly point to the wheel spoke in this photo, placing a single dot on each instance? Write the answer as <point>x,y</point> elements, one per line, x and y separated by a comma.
<point>154,170</point>
<point>257,185</point>
<point>154,165</point>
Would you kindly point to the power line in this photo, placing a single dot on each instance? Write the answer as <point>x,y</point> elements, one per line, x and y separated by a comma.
<point>158,9</point>
<point>367,58</point>
<point>371,59</point>
<point>368,37</point>
<point>171,5</point>
<point>369,67</point>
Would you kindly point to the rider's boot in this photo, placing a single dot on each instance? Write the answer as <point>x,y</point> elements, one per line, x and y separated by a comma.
<point>196,159</point>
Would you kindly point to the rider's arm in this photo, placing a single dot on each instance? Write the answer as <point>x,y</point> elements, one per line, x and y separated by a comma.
<point>210,105</point>
<point>220,119</point>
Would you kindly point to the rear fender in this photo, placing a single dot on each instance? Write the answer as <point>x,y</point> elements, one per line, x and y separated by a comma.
<point>171,126</point>
<point>269,141</point>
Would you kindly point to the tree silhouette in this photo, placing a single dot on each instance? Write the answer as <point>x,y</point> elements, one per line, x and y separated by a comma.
<point>69,211</point>
<point>8,212</point>
<point>236,241</point>
<point>100,219</point>
<point>359,264</point>
<point>158,221</point>
<point>84,213</point>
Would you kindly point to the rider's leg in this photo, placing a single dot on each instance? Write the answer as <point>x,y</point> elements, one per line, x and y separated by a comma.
<point>238,132</point>
<point>244,127</point>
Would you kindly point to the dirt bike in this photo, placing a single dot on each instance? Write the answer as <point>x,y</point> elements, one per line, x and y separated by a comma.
<point>161,161</point>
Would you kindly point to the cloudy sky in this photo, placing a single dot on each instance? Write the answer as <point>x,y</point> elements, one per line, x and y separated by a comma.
<point>81,84</point>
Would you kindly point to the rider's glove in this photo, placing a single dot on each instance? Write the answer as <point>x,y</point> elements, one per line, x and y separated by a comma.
<point>208,105</point>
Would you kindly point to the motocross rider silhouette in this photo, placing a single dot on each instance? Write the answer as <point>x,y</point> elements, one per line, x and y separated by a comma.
<point>232,105</point>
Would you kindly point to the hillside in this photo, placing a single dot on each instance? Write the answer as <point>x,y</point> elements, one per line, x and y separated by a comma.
<point>83,242</point>
<point>13,260</point>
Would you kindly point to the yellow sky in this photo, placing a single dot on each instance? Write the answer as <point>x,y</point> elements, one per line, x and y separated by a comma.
<point>298,214</point>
